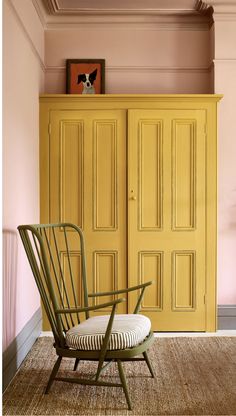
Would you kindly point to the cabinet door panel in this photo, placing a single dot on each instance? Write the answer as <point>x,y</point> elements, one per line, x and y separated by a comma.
<point>166,215</point>
<point>87,187</point>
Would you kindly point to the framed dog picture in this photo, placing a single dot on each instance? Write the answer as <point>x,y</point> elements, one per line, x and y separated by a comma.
<point>85,76</point>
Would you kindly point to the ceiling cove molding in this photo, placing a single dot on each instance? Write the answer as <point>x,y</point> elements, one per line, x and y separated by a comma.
<point>54,17</point>
<point>70,7</point>
<point>224,8</point>
<point>126,11</point>
<point>198,16</point>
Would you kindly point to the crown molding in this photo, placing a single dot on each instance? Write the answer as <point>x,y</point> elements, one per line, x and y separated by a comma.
<point>54,17</point>
<point>199,17</point>
<point>70,7</point>
<point>223,10</point>
<point>226,8</point>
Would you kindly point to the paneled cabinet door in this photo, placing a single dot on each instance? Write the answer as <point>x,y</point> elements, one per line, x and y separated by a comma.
<point>167,215</point>
<point>88,187</point>
<point>166,200</point>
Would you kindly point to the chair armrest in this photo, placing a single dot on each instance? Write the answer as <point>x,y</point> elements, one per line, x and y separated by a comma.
<point>89,308</point>
<point>116,292</point>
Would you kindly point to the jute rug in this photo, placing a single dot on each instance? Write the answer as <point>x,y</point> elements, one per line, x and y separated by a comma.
<point>194,376</point>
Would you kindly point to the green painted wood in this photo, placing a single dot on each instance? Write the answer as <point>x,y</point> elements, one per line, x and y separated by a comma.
<point>149,364</point>
<point>124,384</point>
<point>105,342</point>
<point>88,308</point>
<point>53,374</point>
<point>77,360</point>
<point>125,355</point>
<point>126,290</point>
<point>43,245</point>
<point>88,382</point>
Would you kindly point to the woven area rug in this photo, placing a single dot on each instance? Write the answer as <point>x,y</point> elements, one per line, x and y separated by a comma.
<point>194,376</point>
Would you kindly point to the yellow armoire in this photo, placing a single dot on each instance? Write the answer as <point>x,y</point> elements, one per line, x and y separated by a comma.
<point>138,173</point>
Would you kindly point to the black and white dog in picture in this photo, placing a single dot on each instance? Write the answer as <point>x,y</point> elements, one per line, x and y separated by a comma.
<point>88,80</point>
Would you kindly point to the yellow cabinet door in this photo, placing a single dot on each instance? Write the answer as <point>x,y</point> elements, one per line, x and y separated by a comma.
<point>167,215</point>
<point>87,159</point>
<point>156,228</point>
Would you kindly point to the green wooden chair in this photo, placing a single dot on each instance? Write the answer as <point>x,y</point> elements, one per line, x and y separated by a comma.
<point>103,338</point>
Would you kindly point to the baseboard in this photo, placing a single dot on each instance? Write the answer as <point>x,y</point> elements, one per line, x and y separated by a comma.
<point>226,316</point>
<point>20,346</point>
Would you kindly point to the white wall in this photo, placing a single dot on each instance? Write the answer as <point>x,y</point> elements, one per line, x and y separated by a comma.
<point>23,80</point>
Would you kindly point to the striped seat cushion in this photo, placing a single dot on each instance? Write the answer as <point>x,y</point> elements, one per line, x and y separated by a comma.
<point>127,332</point>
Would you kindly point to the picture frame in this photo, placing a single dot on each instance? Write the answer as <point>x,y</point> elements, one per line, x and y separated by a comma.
<point>85,76</point>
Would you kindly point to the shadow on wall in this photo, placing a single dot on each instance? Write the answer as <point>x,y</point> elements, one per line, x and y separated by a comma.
<point>10,250</point>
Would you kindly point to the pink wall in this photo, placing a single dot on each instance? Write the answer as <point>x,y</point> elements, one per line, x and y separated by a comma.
<point>225,82</point>
<point>23,79</point>
<point>139,59</point>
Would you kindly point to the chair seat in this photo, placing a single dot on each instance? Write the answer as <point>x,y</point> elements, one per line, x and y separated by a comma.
<point>127,332</point>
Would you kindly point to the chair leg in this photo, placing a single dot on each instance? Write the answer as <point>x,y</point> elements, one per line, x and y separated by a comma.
<point>124,385</point>
<point>53,374</point>
<point>149,364</point>
<point>76,364</point>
